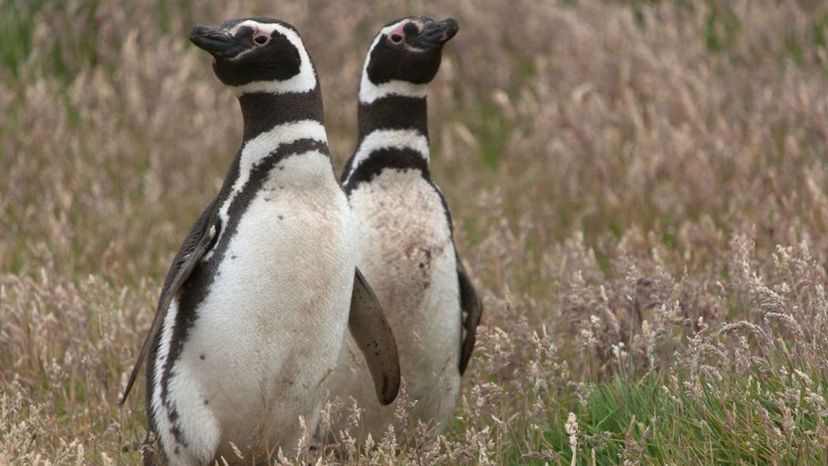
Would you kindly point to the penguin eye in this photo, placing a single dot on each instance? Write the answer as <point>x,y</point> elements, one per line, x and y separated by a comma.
<point>396,38</point>
<point>261,39</point>
<point>411,28</point>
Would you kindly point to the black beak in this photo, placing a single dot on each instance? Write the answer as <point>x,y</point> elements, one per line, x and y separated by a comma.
<point>219,43</point>
<point>436,33</point>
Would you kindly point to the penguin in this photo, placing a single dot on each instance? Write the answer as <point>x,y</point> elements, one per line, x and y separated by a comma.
<point>407,249</point>
<point>254,308</point>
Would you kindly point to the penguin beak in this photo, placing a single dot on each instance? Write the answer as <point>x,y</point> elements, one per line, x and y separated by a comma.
<point>218,42</point>
<point>436,33</point>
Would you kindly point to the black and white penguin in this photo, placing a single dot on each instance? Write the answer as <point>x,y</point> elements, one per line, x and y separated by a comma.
<point>407,249</point>
<point>255,306</point>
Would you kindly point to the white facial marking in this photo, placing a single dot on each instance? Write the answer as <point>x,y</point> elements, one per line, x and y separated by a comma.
<point>369,92</point>
<point>260,147</point>
<point>305,81</point>
<point>387,139</point>
<point>397,34</point>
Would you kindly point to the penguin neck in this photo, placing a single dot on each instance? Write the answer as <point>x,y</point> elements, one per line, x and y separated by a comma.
<point>393,112</point>
<point>276,126</point>
<point>393,134</point>
<point>263,111</point>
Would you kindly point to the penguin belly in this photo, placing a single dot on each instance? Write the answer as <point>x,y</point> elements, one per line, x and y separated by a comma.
<point>269,331</point>
<point>407,255</point>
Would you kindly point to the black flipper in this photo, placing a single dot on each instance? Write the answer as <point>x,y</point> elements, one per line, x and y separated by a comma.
<point>375,339</point>
<point>472,310</point>
<point>199,240</point>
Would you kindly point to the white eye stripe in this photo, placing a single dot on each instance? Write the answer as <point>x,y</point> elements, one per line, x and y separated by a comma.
<point>369,92</point>
<point>304,81</point>
<point>386,31</point>
<point>266,28</point>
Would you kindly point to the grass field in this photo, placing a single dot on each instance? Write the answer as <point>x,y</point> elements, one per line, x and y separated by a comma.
<point>640,191</point>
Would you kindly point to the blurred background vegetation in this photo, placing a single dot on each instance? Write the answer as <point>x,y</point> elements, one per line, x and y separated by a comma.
<point>640,189</point>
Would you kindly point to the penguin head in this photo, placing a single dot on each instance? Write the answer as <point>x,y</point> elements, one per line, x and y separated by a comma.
<point>257,55</point>
<point>409,50</point>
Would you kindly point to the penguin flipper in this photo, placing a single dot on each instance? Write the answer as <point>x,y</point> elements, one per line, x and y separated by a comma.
<point>472,310</point>
<point>197,243</point>
<point>374,337</point>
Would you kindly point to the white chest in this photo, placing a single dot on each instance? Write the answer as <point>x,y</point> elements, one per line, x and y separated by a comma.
<point>406,253</point>
<point>284,285</point>
<point>270,329</point>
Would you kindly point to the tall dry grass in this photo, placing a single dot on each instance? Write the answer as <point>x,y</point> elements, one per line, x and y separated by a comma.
<point>640,189</point>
